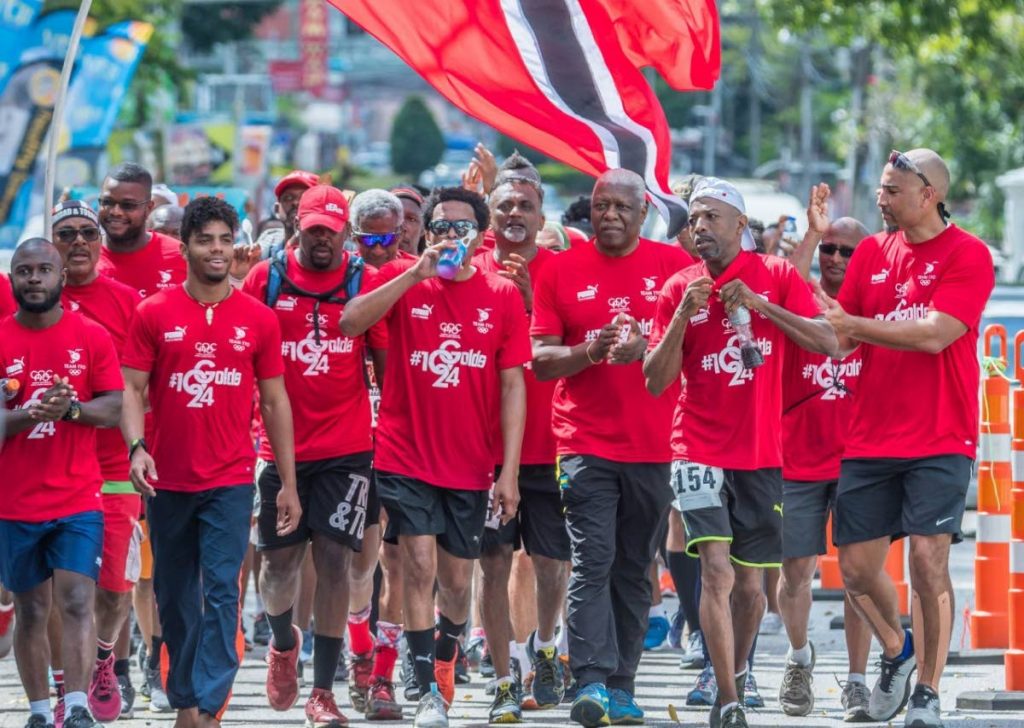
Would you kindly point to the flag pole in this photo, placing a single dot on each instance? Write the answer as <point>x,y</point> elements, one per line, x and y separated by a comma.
<point>58,115</point>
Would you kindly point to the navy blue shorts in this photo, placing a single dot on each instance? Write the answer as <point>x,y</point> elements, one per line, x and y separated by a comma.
<point>30,552</point>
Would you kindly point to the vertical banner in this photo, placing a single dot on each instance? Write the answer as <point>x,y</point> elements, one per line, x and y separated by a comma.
<point>16,19</point>
<point>313,44</point>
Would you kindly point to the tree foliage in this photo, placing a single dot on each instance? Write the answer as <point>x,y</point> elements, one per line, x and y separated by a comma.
<point>207,25</point>
<point>416,140</point>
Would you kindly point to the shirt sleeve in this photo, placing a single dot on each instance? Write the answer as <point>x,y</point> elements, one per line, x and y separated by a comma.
<point>377,336</point>
<point>515,347</point>
<point>255,284</point>
<point>106,373</point>
<point>964,289</point>
<point>849,293</point>
<point>546,321</point>
<point>668,301</point>
<point>268,362</point>
<point>140,348</point>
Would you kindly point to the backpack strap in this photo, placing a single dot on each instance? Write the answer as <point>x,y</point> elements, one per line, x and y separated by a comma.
<point>279,282</point>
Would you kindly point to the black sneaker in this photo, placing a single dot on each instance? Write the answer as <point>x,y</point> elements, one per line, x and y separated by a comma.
<point>487,665</point>
<point>79,717</point>
<point>461,666</point>
<point>37,721</point>
<point>407,674</point>
<point>547,687</point>
<point>124,683</point>
<point>505,706</point>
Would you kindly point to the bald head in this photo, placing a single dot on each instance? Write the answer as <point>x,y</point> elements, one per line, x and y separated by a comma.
<point>846,231</point>
<point>934,168</point>
<point>37,249</point>
<point>37,276</point>
<point>166,219</point>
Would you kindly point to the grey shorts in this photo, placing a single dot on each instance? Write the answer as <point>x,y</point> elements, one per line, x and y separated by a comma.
<point>741,507</point>
<point>806,506</point>
<point>896,497</point>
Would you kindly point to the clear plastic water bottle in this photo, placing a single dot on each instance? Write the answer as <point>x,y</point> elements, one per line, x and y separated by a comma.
<point>450,260</point>
<point>750,352</point>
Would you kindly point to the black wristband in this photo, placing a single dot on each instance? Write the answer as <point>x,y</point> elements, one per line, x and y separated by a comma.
<point>135,445</point>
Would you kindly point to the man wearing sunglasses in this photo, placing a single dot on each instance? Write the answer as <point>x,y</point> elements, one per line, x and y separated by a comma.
<point>456,347</point>
<point>377,227</point>
<point>145,260</point>
<point>912,300</point>
<point>111,304</point>
<point>817,397</point>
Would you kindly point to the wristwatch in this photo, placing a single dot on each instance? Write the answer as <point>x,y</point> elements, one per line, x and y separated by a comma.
<point>74,411</point>
<point>135,445</point>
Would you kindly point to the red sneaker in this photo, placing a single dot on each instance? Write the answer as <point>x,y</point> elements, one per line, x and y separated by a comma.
<point>282,674</point>
<point>360,676</point>
<point>105,693</point>
<point>322,711</point>
<point>383,705</point>
<point>444,676</point>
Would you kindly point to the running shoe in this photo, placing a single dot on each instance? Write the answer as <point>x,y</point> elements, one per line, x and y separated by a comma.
<point>892,690</point>
<point>432,711</point>
<point>322,711</point>
<point>622,708</point>
<point>124,683</point>
<point>360,676</point>
<point>104,692</point>
<point>924,710</point>
<point>568,681</point>
<point>657,632</point>
<point>261,629</point>
<point>79,717</point>
<point>486,664</point>
<point>282,674</point>
<point>735,718</point>
<point>461,666</point>
<point>855,698</point>
<point>505,706</point>
<point>475,650</point>
<point>705,689</point>
<point>547,686</point>
<point>590,708</point>
<point>665,583</point>
<point>37,721</point>
<point>796,694</point>
<point>340,672</point>
<point>407,673</point>
<point>771,623</point>
<point>693,655</point>
<point>675,631</point>
<point>382,704</point>
<point>158,702</point>
<point>750,694</point>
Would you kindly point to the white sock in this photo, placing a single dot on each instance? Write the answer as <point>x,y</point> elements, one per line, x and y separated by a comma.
<point>742,673</point>
<point>563,638</point>
<point>539,644</point>
<point>801,657</point>
<point>507,680</point>
<point>41,707</point>
<point>658,610</point>
<point>77,698</point>
<point>727,707</point>
<point>857,677</point>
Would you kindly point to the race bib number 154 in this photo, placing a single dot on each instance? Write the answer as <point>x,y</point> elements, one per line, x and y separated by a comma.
<point>697,486</point>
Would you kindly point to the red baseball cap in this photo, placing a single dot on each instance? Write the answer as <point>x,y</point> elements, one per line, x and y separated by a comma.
<point>296,178</point>
<point>323,205</point>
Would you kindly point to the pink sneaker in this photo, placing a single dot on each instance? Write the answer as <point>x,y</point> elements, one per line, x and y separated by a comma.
<point>105,693</point>
<point>282,674</point>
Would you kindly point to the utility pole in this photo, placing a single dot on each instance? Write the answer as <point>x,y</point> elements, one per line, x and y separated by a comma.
<point>806,120</point>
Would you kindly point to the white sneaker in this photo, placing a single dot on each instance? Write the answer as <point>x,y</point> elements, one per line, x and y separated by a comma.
<point>924,710</point>
<point>855,702</point>
<point>432,711</point>
<point>693,654</point>
<point>771,623</point>
<point>892,690</point>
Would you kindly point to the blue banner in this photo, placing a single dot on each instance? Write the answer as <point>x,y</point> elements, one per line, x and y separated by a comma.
<point>16,18</point>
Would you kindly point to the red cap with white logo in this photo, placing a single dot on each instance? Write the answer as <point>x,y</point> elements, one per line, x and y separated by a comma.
<point>323,205</point>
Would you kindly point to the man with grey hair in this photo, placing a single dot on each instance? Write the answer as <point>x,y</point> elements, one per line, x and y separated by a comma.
<point>593,308</point>
<point>725,341</point>
<point>376,226</point>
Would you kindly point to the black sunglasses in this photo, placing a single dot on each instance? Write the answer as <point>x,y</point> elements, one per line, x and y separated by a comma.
<point>68,235</point>
<point>899,160</point>
<point>831,248</point>
<point>462,227</point>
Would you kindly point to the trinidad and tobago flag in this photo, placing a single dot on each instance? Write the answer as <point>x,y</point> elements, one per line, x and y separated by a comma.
<point>563,76</point>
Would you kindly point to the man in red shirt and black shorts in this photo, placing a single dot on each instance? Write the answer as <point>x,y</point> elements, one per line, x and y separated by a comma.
<point>202,348</point>
<point>111,304</point>
<point>325,380</point>
<point>722,324</point>
<point>51,516</point>
<point>452,373</point>
<point>593,309</point>
<point>912,300</point>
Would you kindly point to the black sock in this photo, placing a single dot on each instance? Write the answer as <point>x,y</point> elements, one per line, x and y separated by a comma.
<point>326,651</point>
<point>154,655</point>
<point>685,573</point>
<point>421,646</point>
<point>448,638</point>
<point>102,654</point>
<point>750,657</point>
<point>281,628</point>
<point>122,667</point>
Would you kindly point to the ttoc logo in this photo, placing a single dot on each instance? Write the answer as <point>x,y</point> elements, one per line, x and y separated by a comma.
<point>199,382</point>
<point>75,306</point>
<point>650,292</point>
<point>41,376</point>
<point>206,348</point>
<point>240,342</point>
<point>618,304</point>
<point>315,356</point>
<point>321,320</point>
<point>449,330</point>
<point>482,324</point>
<point>75,367</point>
<point>165,278</point>
<point>928,276</point>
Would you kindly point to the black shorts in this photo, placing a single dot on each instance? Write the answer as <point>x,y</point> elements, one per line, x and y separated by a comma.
<point>806,506</point>
<point>539,526</point>
<point>741,507</point>
<point>416,508</point>
<point>337,496</point>
<point>895,497</point>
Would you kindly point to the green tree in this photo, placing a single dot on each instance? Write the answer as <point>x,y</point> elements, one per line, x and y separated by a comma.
<point>416,140</point>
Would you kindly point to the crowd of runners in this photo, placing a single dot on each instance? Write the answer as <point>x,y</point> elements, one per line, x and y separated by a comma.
<point>437,430</point>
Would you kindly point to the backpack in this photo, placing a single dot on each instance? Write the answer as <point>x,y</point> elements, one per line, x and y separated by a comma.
<point>278,282</point>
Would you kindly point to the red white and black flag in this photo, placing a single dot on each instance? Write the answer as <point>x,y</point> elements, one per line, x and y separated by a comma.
<point>563,76</point>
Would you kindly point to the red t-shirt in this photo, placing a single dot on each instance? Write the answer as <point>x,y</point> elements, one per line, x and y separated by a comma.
<point>605,410</point>
<point>728,416</point>
<point>7,303</point>
<point>111,305</point>
<point>913,404</point>
<point>538,439</point>
<point>448,342</point>
<point>50,470</point>
<point>201,384</point>
<point>817,404</point>
<point>326,381</point>
<point>155,267</point>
